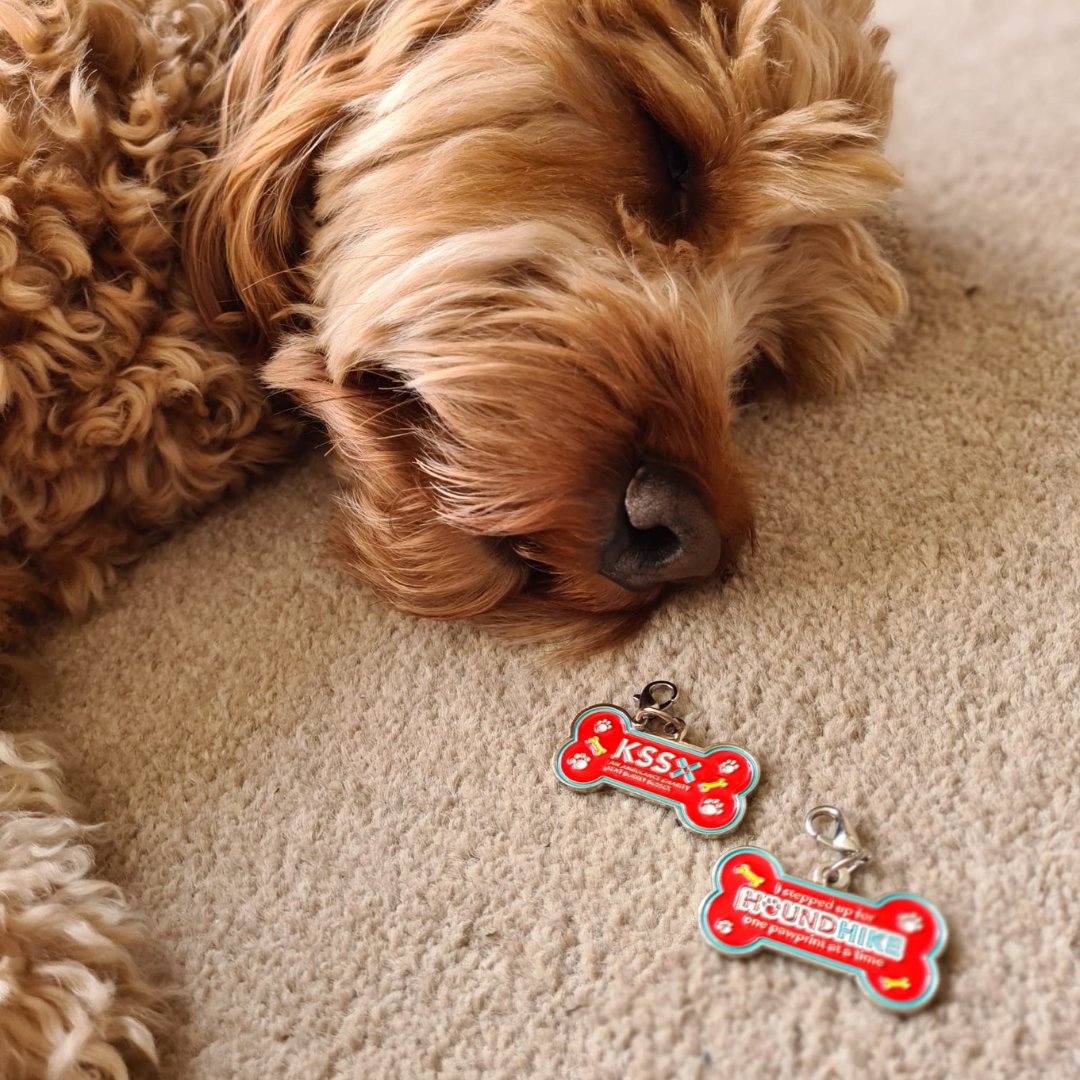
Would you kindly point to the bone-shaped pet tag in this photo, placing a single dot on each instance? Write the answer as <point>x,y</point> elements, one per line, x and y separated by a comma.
<point>609,747</point>
<point>889,945</point>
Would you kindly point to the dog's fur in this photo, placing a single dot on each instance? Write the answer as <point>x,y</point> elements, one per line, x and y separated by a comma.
<point>458,233</point>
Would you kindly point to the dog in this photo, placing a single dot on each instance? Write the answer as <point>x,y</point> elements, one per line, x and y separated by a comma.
<point>518,260</point>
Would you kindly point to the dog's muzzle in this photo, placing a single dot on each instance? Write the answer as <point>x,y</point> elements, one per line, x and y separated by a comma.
<point>664,532</point>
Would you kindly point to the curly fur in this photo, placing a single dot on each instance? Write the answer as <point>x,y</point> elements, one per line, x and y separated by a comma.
<point>120,414</point>
<point>71,995</point>
<point>444,229</point>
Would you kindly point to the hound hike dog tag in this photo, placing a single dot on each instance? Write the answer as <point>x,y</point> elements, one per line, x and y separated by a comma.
<point>707,787</point>
<point>890,945</point>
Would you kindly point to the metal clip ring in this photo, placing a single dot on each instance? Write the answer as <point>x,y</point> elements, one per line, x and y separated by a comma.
<point>841,839</point>
<point>647,699</point>
<point>652,708</point>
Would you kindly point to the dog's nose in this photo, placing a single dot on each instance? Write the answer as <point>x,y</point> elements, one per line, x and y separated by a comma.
<point>665,532</point>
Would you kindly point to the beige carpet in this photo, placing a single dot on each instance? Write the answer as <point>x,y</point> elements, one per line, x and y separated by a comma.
<point>343,823</point>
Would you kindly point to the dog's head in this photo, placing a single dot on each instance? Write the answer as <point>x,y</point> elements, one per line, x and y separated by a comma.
<point>517,255</point>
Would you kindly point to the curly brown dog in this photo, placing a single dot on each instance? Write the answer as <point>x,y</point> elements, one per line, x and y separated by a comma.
<point>516,257</point>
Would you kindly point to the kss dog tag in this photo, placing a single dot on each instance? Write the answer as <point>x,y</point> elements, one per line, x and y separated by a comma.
<point>890,945</point>
<point>609,747</point>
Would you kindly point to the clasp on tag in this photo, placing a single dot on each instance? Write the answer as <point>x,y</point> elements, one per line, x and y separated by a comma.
<point>654,703</point>
<point>827,826</point>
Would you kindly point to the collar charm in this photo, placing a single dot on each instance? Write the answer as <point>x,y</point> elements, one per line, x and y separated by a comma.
<point>889,945</point>
<point>609,747</point>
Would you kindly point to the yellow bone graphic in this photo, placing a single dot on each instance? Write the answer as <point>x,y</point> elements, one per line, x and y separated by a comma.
<point>744,871</point>
<point>597,749</point>
<point>895,984</point>
<point>708,785</point>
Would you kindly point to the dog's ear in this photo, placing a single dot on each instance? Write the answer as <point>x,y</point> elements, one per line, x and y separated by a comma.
<point>299,68</point>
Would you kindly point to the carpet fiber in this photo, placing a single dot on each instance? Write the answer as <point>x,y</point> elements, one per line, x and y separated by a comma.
<point>343,825</point>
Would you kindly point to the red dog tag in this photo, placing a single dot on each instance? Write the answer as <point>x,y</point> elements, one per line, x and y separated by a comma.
<point>890,945</point>
<point>707,787</point>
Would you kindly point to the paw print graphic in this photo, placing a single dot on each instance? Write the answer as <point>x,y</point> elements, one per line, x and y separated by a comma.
<point>712,807</point>
<point>728,765</point>
<point>579,762</point>
<point>723,927</point>
<point>602,725</point>
<point>910,923</point>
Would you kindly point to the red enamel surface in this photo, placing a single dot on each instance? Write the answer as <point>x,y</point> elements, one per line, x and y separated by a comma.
<point>608,750</point>
<point>758,905</point>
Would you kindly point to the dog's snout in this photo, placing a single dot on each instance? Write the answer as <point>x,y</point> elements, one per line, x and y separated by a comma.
<point>664,531</point>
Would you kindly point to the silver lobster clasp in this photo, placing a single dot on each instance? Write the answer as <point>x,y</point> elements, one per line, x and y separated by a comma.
<point>654,704</point>
<point>827,826</point>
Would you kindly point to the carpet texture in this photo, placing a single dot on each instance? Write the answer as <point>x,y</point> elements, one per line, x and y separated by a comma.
<point>343,825</point>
